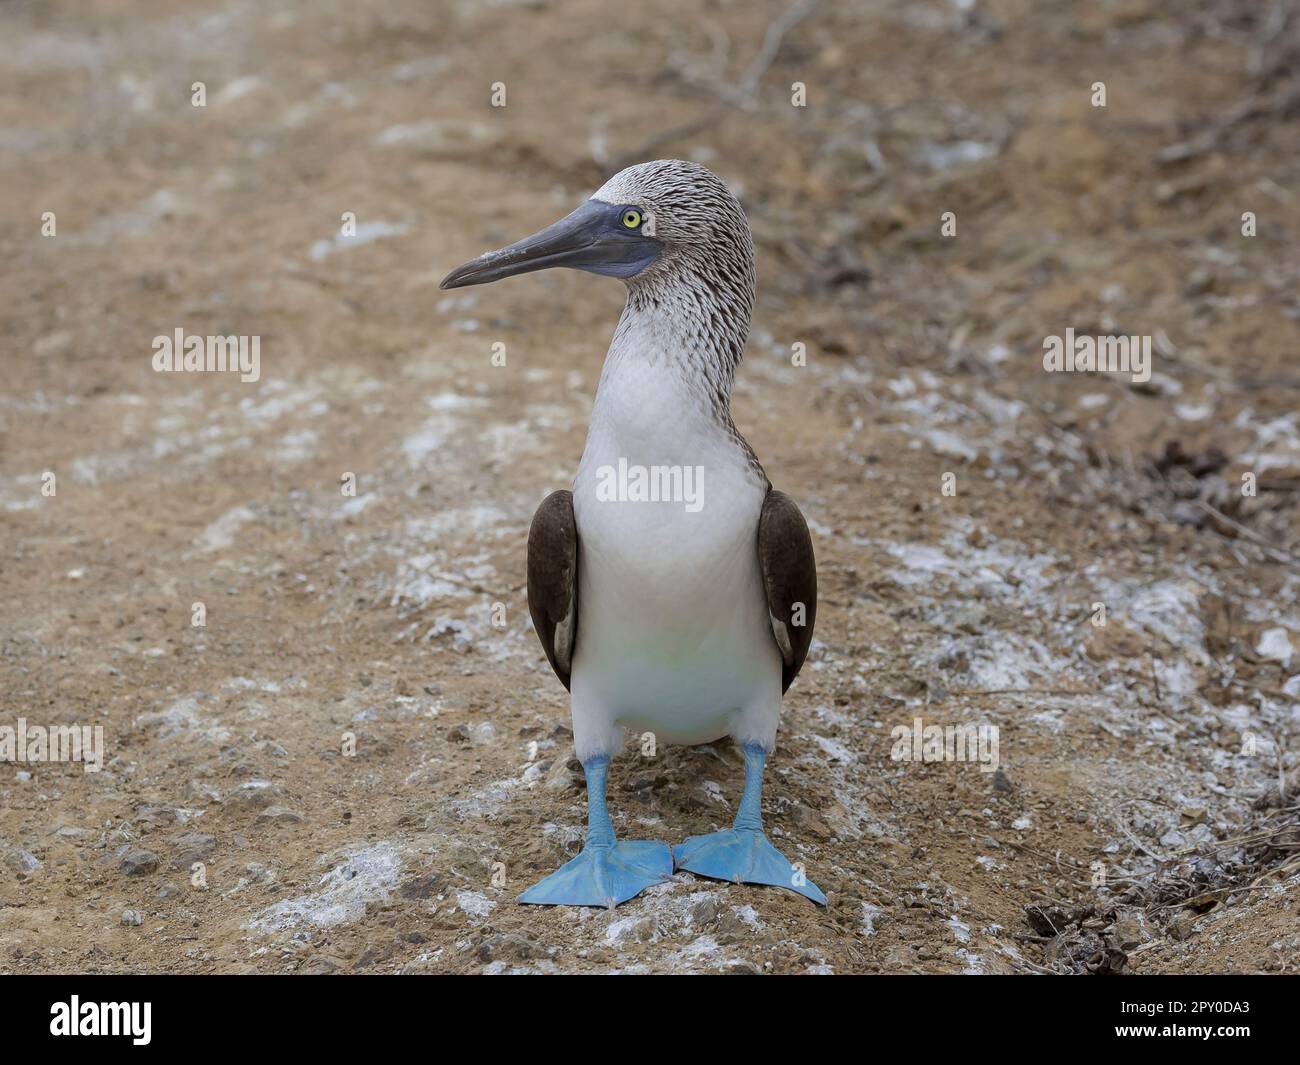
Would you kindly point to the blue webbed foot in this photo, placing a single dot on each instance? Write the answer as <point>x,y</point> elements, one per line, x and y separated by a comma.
<point>604,875</point>
<point>743,856</point>
<point>608,871</point>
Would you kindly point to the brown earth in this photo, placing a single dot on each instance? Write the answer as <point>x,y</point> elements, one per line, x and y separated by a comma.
<point>228,815</point>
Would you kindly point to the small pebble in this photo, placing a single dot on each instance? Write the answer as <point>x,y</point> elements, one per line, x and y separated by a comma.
<point>138,862</point>
<point>278,815</point>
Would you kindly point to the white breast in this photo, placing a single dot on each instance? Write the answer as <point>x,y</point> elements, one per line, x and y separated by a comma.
<point>673,629</point>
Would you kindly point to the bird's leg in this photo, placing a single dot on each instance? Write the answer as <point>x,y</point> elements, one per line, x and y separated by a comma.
<point>607,871</point>
<point>749,814</point>
<point>600,829</point>
<point>743,853</point>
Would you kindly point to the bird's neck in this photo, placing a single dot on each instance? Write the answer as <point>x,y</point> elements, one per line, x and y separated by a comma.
<point>665,390</point>
<point>690,320</point>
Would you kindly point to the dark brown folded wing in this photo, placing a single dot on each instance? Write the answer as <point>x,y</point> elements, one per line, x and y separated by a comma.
<point>785,552</point>
<point>553,580</point>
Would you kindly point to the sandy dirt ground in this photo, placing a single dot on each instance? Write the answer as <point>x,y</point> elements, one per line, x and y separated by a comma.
<point>359,759</point>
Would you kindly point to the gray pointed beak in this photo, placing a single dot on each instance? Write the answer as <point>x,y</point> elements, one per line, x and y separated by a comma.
<point>592,238</point>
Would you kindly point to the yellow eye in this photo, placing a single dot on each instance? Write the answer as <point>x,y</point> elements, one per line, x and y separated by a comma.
<point>631,219</point>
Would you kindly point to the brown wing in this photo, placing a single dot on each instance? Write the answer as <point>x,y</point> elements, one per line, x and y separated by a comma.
<point>553,580</point>
<point>785,552</point>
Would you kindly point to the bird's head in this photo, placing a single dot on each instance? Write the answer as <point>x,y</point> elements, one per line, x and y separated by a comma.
<point>645,222</point>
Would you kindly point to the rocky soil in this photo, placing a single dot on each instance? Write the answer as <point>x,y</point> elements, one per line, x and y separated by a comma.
<point>361,756</point>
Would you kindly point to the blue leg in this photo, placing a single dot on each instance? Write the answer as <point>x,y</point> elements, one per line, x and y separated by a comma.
<point>607,872</point>
<point>743,854</point>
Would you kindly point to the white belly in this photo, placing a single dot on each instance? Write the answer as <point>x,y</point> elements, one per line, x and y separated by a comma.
<point>673,634</point>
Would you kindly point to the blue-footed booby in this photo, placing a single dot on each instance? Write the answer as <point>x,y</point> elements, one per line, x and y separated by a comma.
<point>673,589</point>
